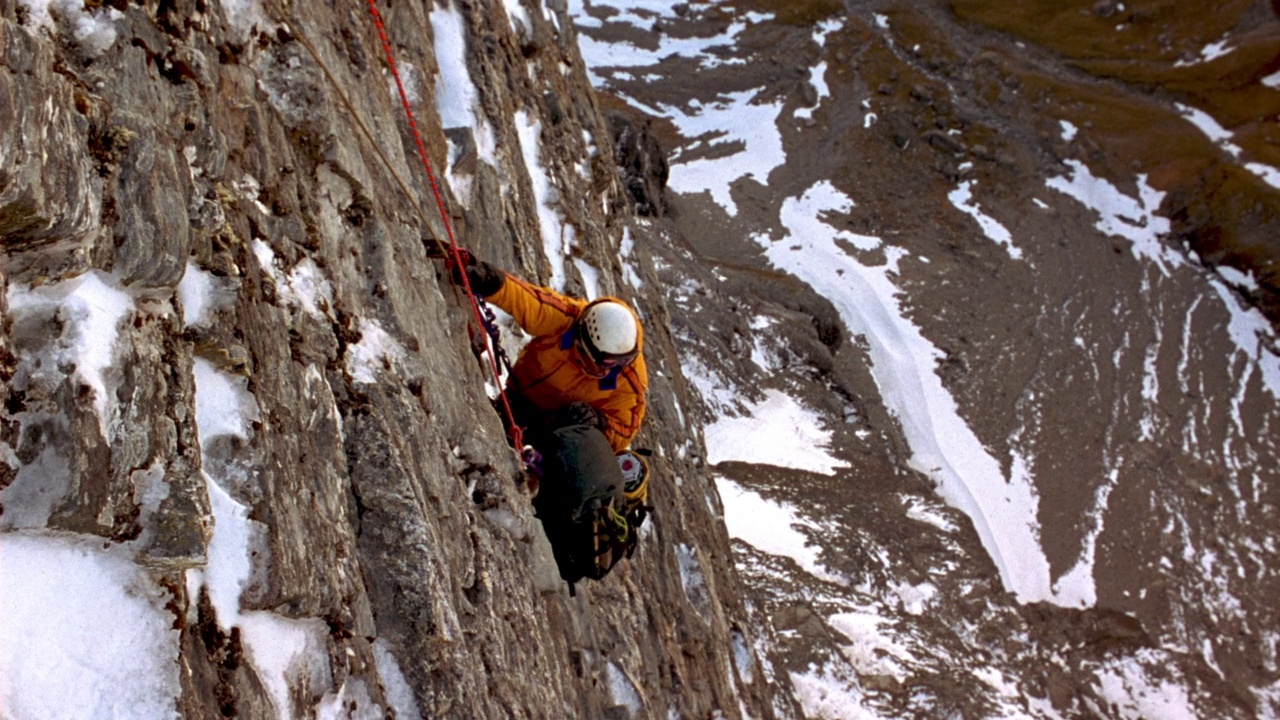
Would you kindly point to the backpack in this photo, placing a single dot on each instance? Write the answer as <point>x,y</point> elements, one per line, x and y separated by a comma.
<point>590,508</point>
<point>617,529</point>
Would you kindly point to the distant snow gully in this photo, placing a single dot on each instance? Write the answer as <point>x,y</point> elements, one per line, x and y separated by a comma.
<point>943,445</point>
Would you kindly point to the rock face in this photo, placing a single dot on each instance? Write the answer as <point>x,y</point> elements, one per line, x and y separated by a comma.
<point>223,199</point>
<point>644,168</point>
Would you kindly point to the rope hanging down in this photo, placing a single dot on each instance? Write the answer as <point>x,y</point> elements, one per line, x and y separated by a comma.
<point>481,312</point>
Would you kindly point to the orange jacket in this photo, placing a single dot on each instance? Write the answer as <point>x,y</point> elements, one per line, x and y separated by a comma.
<point>547,374</point>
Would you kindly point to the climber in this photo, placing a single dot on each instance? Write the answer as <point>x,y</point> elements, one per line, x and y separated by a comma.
<point>584,364</point>
<point>578,390</point>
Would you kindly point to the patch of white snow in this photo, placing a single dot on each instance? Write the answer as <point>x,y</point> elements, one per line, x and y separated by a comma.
<point>84,633</point>
<point>770,527</point>
<point>375,352</point>
<point>89,308</point>
<point>557,238</point>
<point>457,99</point>
<point>778,431</point>
<point>1210,127</point>
<point>1121,215</point>
<point>962,198</point>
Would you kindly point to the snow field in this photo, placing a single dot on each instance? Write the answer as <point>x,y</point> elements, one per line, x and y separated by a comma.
<point>831,694</point>
<point>1135,695</point>
<point>770,527</point>
<point>410,80</point>
<point>605,56</point>
<point>201,294</point>
<point>88,311</point>
<point>777,431</point>
<point>733,120</point>
<point>84,633</point>
<point>752,127</point>
<point>243,15</point>
<point>398,692</point>
<point>305,287</point>
<point>1210,127</point>
<point>623,691</point>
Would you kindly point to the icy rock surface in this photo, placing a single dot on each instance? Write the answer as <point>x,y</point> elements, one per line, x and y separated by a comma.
<point>240,406</point>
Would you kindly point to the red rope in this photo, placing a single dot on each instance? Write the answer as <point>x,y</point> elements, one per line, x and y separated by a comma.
<point>517,435</point>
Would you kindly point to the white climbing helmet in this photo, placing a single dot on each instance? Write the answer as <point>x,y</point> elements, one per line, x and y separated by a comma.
<point>610,331</point>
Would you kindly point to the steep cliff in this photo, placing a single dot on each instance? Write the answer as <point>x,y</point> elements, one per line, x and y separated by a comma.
<point>231,372</point>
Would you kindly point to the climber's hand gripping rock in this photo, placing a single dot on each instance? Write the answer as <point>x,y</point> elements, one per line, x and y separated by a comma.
<point>485,278</point>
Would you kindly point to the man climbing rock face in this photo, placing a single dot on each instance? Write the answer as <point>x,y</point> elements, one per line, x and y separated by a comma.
<point>582,353</point>
<point>578,390</point>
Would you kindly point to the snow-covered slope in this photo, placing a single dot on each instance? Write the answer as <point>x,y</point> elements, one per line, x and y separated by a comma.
<point>911,263</point>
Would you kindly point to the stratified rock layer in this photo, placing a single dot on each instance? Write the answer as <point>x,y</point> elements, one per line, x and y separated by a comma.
<point>264,156</point>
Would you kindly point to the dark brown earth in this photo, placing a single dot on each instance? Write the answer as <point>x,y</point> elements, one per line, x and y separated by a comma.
<point>1122,90</point>
<point>1052,350</point>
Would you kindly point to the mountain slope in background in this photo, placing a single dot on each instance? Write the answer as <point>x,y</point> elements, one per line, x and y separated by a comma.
<point>247,463</point>
<point>1009,260</point>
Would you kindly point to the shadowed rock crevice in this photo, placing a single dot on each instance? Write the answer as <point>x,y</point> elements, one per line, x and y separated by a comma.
<point>641,163</point>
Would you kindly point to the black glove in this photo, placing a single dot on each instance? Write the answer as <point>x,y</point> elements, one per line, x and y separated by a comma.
<point>579,413</point>
<point>485,278</point>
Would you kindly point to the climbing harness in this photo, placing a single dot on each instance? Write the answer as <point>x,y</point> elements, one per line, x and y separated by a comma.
<point>615,534</point>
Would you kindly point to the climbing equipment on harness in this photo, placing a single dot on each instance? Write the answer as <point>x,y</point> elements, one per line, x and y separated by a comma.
<point>615,535</point>
<point>635,474</point>
<point>616,531</point>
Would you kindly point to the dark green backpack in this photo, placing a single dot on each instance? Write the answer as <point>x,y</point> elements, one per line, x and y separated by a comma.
<point>590,510</point>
